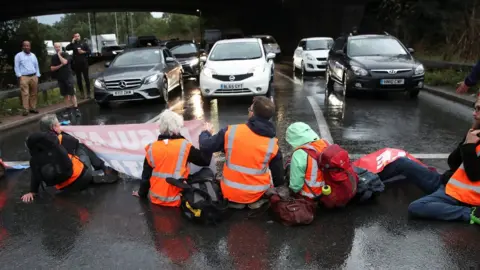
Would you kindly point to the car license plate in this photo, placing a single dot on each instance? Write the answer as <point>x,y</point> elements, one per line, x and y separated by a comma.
<point>232,86</point>
<point>123,93</point>
<point>322,62</point>
<point>392,81</point>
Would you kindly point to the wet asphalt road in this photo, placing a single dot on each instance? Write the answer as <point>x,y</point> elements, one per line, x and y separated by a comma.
<point>105,227</point>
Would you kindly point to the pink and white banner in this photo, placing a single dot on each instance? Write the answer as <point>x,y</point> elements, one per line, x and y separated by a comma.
<point>122,147</point>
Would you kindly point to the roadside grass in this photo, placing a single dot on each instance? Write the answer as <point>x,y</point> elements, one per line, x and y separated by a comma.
<point>448,78</point>
<point>13,106</point>
<point>439,57</point>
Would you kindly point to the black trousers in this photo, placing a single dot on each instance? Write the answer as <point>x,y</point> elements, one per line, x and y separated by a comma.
<point>79,71</point>
<point>91,162</point>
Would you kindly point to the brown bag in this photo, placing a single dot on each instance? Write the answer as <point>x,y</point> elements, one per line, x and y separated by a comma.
<point>294,210</point>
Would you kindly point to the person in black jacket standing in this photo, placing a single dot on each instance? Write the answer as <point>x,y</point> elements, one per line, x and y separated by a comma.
<point>80,63</point>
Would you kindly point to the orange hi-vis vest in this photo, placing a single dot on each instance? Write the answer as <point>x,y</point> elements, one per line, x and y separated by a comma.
<point>246,176</point>
<point>461,188</point>
<point>313,176</point>
<point>168,158</point>
<point>77,168</point>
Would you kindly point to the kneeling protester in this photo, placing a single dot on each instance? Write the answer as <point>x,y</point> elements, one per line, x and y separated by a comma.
<point>202,200</point>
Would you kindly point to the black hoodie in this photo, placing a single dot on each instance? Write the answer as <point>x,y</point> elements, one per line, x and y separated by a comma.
<point>262,127</point>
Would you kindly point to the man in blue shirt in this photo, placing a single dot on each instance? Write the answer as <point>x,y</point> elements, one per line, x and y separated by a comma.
<point>28,72</point>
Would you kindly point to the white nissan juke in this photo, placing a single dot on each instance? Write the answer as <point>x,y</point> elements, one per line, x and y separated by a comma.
<point>237,67</point>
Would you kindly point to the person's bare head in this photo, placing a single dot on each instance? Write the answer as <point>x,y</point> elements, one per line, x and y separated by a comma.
<point>76,36</point>
<point>476,114</point>
<point>262,107</point>
<point>50,122</point>
<point>57,46</point>
<point>26,46</point>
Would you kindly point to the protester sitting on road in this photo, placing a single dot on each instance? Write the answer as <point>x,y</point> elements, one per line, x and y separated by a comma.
<point>455,195</point>
<point>470,80</point>
<point>251,149</point>
<point>82,159</point>
<point>168,157</point>
<point>303,168</point>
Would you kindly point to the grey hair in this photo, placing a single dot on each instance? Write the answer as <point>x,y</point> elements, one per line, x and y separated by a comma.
<point>48,122</point>
<point>170,122</point>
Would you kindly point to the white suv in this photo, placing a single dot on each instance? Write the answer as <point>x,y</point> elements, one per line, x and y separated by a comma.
<point>311,54</point>
<point>237,67</point>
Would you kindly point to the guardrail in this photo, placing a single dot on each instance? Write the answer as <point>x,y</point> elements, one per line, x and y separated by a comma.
<point>433,64</point>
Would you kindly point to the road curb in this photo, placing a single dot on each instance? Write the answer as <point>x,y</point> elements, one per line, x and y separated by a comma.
<point>32,118</point>
<point>464,100</point>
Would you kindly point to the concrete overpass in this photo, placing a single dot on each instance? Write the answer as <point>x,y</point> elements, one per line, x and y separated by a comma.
<point>287,20</point>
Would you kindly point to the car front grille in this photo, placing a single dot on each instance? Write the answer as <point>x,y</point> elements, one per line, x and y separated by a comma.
<point>321,59</point>
<point>123,84</point>
<point>232,91</point>
<point>388,71</point>
<point>238,77</point>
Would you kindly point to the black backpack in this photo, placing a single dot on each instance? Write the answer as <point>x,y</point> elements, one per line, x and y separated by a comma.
<point>49,158</point>
<point>202,199</point>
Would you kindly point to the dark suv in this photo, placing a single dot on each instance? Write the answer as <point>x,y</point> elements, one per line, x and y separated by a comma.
<point>373,63</point>
<point>189,56</point>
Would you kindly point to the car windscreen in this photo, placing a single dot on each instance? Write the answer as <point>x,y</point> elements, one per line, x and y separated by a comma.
<point>236,51</point>
<point>375,46</point>
<point>318,44</point>
<point>184,49</point>
<point>268,40</point>
<point>138,57</point>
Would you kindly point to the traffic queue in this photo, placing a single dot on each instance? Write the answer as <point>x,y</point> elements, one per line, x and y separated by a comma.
<point>318,175</point>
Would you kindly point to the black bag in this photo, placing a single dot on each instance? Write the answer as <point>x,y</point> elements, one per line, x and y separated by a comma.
<point>202,199</point>
<point>49,159</point>
<point>369,185</point>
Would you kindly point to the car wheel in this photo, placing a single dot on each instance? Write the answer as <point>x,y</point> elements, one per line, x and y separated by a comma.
<point>294,68</point>
<point>165,90</point>
<point>329,84</point>
<point>414,93</point>
<point>304,72</point>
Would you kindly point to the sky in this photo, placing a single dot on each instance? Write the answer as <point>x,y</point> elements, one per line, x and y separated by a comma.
<point>51,19</point>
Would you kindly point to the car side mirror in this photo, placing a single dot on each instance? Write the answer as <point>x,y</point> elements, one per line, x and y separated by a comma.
<point>271,56</point>
<point>411,50</point>
<point>170,59</point>
<point>107,64</point>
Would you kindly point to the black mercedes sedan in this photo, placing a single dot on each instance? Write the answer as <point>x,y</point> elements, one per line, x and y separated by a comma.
<point>189,56</point>
<point>373,63</point>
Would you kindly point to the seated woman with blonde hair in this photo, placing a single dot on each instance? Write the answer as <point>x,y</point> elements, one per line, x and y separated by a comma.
<point>168,157</point>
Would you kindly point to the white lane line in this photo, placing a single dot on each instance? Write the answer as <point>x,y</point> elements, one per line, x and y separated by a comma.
<point>321,122</point>
<point>357,156</point>
<point>154,119</point>
<point>288,78</point>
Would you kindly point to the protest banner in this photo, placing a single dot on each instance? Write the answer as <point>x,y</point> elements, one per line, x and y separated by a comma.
<point>376,161</point>
<point>122,147</point>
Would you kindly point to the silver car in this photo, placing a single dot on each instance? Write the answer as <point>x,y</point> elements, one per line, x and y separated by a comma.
<point>139,74</point>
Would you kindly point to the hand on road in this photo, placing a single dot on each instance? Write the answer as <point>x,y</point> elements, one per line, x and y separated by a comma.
<point>135,193</point>
<point>208,127</point>
<point>28,197</point>
<point>472,136</point>
<point>462,88</point>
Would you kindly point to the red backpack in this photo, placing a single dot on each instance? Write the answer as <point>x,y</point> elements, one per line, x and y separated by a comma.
<point>338,173</point>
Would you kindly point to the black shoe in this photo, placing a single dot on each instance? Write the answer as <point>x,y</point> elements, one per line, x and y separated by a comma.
<point>77,112</point>
<point>33,111</point>
<point>25,113</point>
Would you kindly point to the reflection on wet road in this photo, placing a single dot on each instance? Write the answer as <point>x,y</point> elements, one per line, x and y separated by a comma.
<point>106,227</point>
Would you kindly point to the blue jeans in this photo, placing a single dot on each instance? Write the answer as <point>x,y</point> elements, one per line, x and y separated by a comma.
<point>437,204</point>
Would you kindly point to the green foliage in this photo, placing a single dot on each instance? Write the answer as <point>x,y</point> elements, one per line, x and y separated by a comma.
<point>447,77</point>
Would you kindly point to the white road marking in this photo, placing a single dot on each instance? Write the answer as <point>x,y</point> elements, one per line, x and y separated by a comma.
<point>287,77</point>
<point>321,122</point>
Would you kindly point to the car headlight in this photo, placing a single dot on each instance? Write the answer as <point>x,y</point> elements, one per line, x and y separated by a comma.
<point>152,78</point>
<point>257,70</point>
<point>208,72</point>
<point>309,57</point>
<point>99,84</point>
<point>193,62</point>
<point>419,70</point>
<point>359,71</point>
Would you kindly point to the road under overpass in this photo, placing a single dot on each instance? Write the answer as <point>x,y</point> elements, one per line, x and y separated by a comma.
<point>287,20</point>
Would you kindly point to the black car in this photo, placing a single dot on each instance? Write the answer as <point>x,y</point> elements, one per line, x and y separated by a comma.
<point>189,56</point>
<point>373,63</point>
